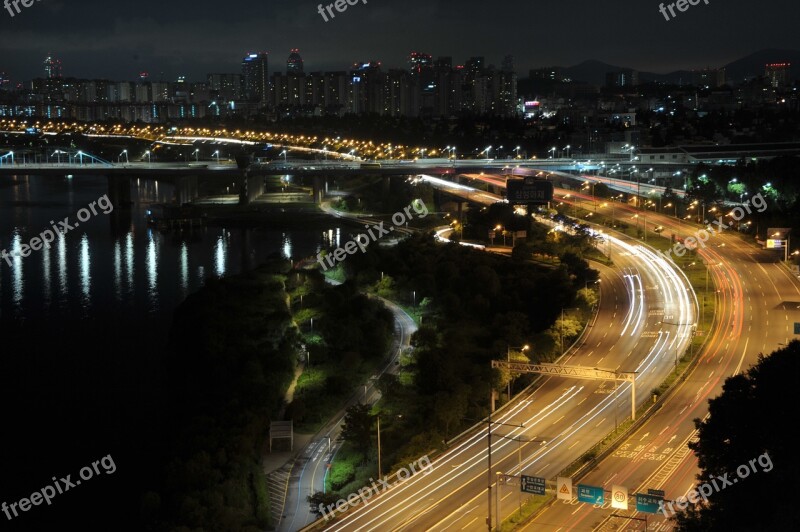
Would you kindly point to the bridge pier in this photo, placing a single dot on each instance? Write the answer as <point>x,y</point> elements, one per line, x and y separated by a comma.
<point>318,185</point>
<point>252,188</point>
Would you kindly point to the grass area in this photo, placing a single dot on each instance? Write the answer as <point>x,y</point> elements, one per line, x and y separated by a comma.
<point>336,274</point>
<point>344,470</point>
<point>529,507</point>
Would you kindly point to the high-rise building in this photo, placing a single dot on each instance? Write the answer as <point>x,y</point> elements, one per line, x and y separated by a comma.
<point>708,78</point>
<point>52,67</point>
<point>5,82</point>
<point>622,78</point>
<point>423,83</point>
<point>255,76</point>
<point>547,73</point>
<point>225,87</point>
<point>294,65</point>
<point>778,74</point>
<point>366,88</point>
<point>508,64</point>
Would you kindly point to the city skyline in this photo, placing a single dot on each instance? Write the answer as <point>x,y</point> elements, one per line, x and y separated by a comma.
<point>176,42</point>
<point>294,62</point>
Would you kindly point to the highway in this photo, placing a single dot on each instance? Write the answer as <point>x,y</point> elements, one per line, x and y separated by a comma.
<point>758,302</point>
<point>569,415</point>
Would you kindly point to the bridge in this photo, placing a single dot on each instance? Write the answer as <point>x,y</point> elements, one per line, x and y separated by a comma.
<point>249,181</point>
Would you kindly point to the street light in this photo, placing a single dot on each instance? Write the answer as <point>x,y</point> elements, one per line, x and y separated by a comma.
<point>517,150</point>
<point>284,155</point>
<point>148,156</point>
<point>216,153</point>
<point>567,148</point>
<point>552,152</point>
<point>521,349</point>
<point>197,154</point>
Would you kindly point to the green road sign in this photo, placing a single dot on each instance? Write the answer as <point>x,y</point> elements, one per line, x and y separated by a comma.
<point>648,503</point>
<point>591,494</point>
<point>533,485</point>
<point>796,328</point>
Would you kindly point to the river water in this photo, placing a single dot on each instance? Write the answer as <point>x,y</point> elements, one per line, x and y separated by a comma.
<point>83,328</point>
<point>122,266</point>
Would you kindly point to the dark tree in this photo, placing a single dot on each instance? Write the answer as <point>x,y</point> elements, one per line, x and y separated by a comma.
<point>357,428</point>
<point>751,426</point>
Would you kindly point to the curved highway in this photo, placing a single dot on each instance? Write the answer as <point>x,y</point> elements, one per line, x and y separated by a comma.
<point>569,415</point>
<point>757,303</point>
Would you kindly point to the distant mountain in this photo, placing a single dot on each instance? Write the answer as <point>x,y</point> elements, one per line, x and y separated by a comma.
<point>753,65</point>
<point>594,72</point>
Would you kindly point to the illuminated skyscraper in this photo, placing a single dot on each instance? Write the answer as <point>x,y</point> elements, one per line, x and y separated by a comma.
<point>52,67</point>
<point>255,76</point>
<point>778,74</point>
<point>294,65</point>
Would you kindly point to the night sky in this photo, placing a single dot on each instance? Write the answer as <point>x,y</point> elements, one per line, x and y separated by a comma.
<point>116,40</point>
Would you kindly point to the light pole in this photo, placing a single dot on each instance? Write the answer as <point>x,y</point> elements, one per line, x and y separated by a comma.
<point>552,152</point>
<point>498,475</point>
<point>567,148</point>
<point>216,154</point>
<point>489,455</point>
<point>125,152</point>
<point>197,155</point>
<point>521,349</point>
<point>517,150</point>
<point>379,446</point>
<point>148,156</point>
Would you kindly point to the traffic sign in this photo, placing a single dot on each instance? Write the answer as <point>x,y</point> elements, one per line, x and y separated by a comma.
<point>529,191</point>
<point>649,503</point>
<point>796,328</point>
<point>564,488</point>
<point>591,494</point>
<point>533,485</point>
<point>658,493</point>
<point>619,497</point>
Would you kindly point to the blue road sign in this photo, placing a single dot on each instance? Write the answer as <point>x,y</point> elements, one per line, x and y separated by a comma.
<point>657,493</point>
<point>648,503</point>
<point>591,494</point>
<point>533,485</point>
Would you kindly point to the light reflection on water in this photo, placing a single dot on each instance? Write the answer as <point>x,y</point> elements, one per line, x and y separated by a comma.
<point>115,263</point>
